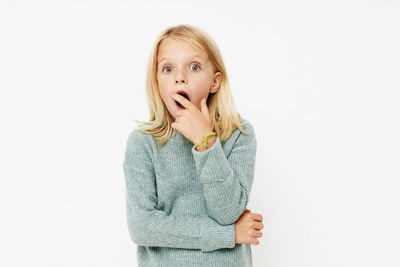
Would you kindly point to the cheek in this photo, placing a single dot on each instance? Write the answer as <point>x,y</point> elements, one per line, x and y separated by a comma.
<point>164,94</point>
<point>163,91</point>
<point>160,82</point>
<point>199,77</point>
<point>162,86</point>
<point>202,80</point>
<point>197,98</point>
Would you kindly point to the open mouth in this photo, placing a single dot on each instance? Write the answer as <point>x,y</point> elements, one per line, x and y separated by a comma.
<point>182,93</point>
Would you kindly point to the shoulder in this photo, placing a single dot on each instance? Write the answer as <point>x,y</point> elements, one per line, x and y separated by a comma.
<point>239,141</point>
<point>137,142</point>
<point>247,127</point>
<point>136,136</point>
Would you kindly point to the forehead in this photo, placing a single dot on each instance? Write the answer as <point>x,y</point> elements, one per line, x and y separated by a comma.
<point>176,49</point>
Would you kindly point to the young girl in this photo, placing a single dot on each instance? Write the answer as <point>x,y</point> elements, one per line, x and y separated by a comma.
<point>189,170</point>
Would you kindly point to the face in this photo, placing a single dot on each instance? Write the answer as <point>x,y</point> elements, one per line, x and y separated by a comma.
<point>183,67</point>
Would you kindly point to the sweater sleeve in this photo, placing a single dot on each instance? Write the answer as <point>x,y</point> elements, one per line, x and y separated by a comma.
<point>149,226</point>
<point>227,181</point>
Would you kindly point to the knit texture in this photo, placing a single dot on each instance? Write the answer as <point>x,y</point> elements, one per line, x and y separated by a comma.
<point>182,204</point>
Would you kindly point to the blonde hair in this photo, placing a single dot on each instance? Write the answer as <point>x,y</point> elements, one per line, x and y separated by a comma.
<point>223,114</point>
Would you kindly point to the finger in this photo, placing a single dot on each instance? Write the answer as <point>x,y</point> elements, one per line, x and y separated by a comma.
<point>256,233</point>
<point>257,217</point>
<point>182,100</point>
<point>255,241</point>
<point>259,225</point>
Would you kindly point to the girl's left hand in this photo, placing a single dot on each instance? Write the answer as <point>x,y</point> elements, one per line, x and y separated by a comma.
<point>191,122</point>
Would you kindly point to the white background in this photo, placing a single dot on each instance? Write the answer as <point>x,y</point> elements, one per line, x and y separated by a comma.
<point>319,80</point>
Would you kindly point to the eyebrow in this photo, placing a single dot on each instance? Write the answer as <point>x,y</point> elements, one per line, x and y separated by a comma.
<point>166,58</point>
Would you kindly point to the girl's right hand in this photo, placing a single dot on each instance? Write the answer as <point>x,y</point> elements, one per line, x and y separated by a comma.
<point>247,228</point>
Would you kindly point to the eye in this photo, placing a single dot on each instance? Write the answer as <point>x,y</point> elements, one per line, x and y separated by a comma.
<point>166,67</point>
<point>196,65</point>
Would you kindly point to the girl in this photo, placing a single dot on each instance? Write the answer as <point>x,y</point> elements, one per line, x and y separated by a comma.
<point>189,170</point>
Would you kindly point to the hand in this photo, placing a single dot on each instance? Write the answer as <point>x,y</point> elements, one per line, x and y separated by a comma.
<point>248,228</point>
<point>191,122</point>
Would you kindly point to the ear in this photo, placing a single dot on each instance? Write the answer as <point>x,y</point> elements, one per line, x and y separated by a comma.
<point>216,82</point>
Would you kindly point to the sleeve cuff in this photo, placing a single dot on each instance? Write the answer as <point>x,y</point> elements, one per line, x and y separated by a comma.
<point>215,236</point>
<point>212,164</point>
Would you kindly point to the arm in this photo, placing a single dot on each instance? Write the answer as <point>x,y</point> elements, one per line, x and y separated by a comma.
<point>227,181</point>
<point>149,226</point>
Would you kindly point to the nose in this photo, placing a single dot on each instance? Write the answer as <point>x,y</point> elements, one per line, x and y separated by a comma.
<point>180,78</point>
<point>181,81</point>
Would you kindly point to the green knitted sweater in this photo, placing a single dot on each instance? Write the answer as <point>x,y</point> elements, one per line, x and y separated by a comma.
<point>182,204</point>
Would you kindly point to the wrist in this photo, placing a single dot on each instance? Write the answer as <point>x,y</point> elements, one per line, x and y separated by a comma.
<point>206,142</point>
<point>210,142</point>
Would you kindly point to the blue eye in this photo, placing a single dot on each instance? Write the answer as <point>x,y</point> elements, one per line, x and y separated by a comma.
<point>196,65</point>
<point>166,67</point>
<point>196,69</point>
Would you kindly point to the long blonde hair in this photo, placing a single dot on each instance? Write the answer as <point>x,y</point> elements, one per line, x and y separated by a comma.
<point>223,114</point>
